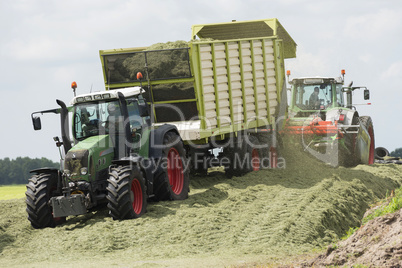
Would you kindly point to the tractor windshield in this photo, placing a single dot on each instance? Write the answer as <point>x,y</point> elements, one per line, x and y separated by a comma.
<point>100,118</point>
<point>317,96</point>
<point>339,96</point>
<point>92,118</point>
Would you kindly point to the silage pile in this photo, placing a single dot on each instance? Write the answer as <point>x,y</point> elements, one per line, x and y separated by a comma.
<point>164,61</point>
<point>265,216</point>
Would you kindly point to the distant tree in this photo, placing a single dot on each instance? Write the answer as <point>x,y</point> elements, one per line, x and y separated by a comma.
<point>396,153</point>
<point>17,171</point>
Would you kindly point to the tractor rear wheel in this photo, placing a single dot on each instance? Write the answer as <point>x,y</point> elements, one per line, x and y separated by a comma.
<point>368,124</point>
<point>172,179</point>
<point>40,189</point>
<point>126,193</point>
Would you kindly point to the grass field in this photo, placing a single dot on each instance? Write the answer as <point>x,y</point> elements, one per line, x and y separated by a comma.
<point>12,191</point>
<point>265,217</point>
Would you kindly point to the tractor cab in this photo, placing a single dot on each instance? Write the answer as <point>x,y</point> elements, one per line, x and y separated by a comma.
<point>323,119</point>
<point>310,95</point>
<point>106,126</point>
<point>101,114</point>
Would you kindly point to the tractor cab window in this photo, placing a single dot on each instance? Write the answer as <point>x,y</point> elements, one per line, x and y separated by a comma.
<point>136,122</point>
<point>93,118</point>
<point>339,96</point>
<point>102,118</point>
<point>313,96</point>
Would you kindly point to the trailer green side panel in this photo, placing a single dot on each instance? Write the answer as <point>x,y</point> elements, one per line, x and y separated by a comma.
<point>246,30</point>
<point>212,87</point>
<point>237,83</point>
<point>168,79</point>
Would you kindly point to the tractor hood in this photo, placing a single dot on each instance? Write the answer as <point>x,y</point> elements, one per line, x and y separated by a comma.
<point>93,153</point>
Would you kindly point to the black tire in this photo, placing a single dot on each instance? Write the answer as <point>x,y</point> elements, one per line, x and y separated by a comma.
<point>40,189</point>
<point>268,151</point>
<point>242,156</point>
<point>200,162</point>
<point>126,193</point>
<point>380,153</point>
<point>367,122</point>
<point>171,181</point>
<point>254,153</point>
<point>349,157</point>
<point>233,153</point>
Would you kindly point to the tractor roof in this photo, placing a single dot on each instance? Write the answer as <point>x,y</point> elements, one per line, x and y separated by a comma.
<point>316,80</point>
<point>106,95</point>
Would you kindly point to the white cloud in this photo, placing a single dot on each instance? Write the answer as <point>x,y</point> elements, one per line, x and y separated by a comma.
<point>366,58</point>
<point>47,44</point>
<point>373,26</point>
<point>393,71</point>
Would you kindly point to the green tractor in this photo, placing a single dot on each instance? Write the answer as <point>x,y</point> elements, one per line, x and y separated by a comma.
<point>114,157</point>
<point>325,125</point>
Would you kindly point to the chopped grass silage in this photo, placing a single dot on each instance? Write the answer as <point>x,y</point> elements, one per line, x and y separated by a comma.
<point>262,216</point>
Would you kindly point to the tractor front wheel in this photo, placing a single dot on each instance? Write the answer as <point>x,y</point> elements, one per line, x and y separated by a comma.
<point>40,189</point>
<point>126,193</point>
<point>368,124</point>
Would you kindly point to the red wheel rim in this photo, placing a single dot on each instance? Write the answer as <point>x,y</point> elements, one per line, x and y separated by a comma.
<point>255,159</point>
<point>136,197</point>
<point>175,171</point>
<point>371,152</point>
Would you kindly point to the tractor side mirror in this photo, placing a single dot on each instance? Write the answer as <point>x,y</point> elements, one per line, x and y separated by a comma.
<point>366,94</point>
<point>143,109</point>
<point>37,125</point>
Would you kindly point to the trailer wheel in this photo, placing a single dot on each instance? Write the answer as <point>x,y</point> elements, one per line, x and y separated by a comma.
<point>245,156</point>
<point>201,160</point>
<point>40,189</point>
<point>172,180</point>
<point>126,193</point>
<point>254,153</point>
<point>269,151</point>
<point>368,124</point>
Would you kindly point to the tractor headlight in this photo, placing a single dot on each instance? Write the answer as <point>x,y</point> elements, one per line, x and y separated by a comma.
<point>67,172</point>
<point>84,171</point>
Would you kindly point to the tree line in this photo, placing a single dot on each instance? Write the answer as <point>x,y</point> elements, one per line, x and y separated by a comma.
<point>396,153</point>
<point>17,171</point>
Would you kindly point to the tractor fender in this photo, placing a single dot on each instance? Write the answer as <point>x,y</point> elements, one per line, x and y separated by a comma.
<point>50,171</point>
<point>45,171</point>
<point>156,139</point>
<point>333,115</point>
<point>145,165</point>
<point>349,116</point>
<point>125,161</point>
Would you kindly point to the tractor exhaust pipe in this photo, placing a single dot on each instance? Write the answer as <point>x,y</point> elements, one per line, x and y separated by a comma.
<point>65,136</point>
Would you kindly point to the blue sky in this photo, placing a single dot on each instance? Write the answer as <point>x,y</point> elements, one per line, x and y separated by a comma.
<point>45,45</point>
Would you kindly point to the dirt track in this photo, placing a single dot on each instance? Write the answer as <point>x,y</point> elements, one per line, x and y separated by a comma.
<point>378,243</point>
<point>270,216</point>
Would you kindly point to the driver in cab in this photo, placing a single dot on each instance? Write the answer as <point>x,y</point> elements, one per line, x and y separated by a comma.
<point>314,100</point>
